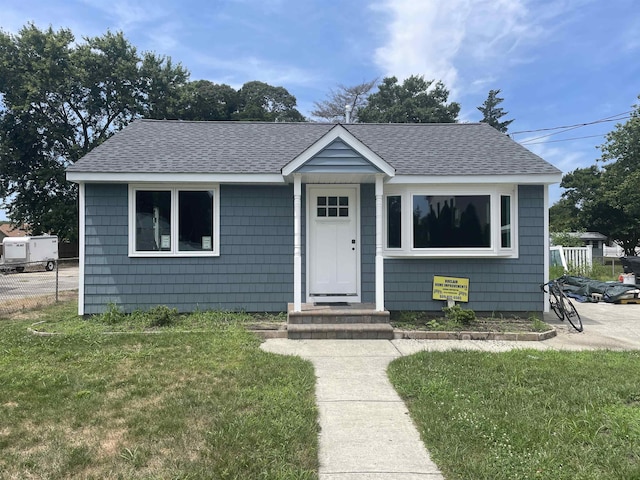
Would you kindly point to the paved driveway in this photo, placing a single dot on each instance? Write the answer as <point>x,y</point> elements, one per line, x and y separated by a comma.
<point>606,325</point>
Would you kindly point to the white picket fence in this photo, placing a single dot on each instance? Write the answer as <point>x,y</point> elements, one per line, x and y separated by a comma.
<point>575,257</point>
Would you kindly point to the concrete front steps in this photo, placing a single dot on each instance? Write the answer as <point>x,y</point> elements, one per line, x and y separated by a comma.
<point>338,321</point>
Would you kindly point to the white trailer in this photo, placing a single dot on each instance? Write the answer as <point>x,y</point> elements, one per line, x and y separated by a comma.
<point>18,252</point>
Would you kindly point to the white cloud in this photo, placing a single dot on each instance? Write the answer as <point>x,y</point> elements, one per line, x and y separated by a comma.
<point>241,70</point>
<point>158,24</point>
<point>127,15</point>
<point>433,38</point>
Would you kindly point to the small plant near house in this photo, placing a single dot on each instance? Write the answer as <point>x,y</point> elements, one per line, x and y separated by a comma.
<point>538,325</point>
<point>162,316</point>
<point>459,315</point>
<point>113,315</point>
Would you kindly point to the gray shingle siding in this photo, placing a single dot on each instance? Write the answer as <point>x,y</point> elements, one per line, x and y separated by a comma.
<point>254,271</point>
<point>495,285</point>
<point>338,158</point>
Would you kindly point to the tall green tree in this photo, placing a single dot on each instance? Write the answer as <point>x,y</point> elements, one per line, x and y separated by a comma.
<point>621,185</point>
<point>492,112</point>
<point>205,100</point>
<point>563,216</point>
<point>606,196</point>
<point>261,102</point>
<point>413,101</point>
<point>60,99</point>
<point>333,109</point>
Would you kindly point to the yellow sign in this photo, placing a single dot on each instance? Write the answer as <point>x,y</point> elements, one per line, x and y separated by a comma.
<point>457,289</point>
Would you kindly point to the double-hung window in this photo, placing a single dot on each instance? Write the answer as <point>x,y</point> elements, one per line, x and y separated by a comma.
<point>173,221</point>
<point>432,221</point>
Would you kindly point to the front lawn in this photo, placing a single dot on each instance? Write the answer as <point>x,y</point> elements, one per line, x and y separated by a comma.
<point>526,414</point>
<point>172,405</point>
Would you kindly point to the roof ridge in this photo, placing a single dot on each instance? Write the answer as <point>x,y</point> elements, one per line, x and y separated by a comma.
<point>234,122</point>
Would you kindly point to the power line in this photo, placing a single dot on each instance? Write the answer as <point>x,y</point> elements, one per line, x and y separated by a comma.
<point>573,128</point>
<point>564,140</point>
<point>611,118</point>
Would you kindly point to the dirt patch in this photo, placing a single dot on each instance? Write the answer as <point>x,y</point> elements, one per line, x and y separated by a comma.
<point>497,325</point>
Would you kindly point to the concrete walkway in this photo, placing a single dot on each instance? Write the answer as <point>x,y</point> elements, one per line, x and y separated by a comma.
<point>366,431</point>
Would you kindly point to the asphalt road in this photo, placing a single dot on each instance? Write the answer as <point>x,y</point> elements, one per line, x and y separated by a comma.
<point>33,283</point>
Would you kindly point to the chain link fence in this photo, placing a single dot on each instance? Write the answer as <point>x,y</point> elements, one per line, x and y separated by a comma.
<point>25,286</point>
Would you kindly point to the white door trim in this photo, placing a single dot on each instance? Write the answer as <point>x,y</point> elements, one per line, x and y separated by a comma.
<point>338,298</point>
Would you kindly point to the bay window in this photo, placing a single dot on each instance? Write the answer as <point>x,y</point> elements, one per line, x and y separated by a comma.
<point>173,221</point>
<point>450,221</point>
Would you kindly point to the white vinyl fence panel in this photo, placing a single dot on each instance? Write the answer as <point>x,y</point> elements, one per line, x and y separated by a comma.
<point>578,257</point>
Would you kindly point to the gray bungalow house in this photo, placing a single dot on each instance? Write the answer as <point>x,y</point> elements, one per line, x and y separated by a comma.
<point>256,216</point>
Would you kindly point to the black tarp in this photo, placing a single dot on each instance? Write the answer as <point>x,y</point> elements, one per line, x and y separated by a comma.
<point>581,289</point>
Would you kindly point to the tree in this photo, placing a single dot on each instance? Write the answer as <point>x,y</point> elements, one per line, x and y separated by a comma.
<point>161,85</point>
<point>413,101</point>
<point>205,100</point>
<point>563,216</point>
<point>620,188</point>
<point>333,108</point>
<point>60,99</point>
<point>607,198</point>
<point>261,102</point>
<point>492,113</point>
<point>566,239</point>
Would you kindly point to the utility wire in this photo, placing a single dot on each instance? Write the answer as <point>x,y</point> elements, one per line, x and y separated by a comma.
<point>525,142</point>
<point>612,118</point>
<point>563,140</point>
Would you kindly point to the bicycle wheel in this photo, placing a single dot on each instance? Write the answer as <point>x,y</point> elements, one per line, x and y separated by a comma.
<point>571,314</point>
<point>555,304</point>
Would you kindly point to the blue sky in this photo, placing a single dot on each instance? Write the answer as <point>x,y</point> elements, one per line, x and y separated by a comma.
<point>557,62</point>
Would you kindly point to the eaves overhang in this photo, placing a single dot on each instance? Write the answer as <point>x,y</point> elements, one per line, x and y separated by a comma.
<point>124,177</point>
<point>517,179</point>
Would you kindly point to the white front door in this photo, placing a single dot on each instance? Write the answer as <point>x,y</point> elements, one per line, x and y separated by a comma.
<point>333,243</point>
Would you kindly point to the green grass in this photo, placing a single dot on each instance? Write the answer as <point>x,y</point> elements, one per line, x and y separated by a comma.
<point>187,405</point>
<point>597,271</point>
<point>526,414</point>
<point>63,318</point>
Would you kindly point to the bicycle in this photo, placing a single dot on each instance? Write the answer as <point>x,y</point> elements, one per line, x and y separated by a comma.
<point>561,305</point>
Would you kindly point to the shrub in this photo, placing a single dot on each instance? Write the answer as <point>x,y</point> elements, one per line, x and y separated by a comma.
<point>112,315</point>
<point>459,315</point>
<point>162,316</point>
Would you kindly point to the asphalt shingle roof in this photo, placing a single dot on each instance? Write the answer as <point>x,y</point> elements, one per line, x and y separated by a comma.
<point>164,146</point>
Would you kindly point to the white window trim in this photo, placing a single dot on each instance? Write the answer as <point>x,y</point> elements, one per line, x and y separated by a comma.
<point>174,189</point>
<point>406,192</point>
